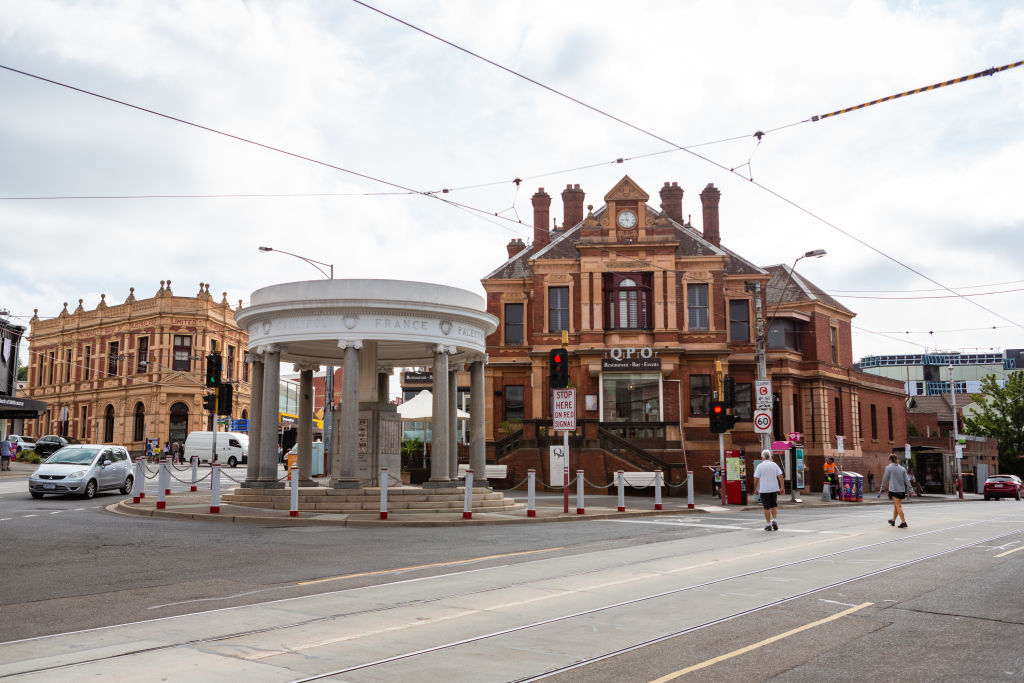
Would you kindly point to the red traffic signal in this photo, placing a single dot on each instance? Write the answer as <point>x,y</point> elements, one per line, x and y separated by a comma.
<point>558,368</point>
<point>720,421</point>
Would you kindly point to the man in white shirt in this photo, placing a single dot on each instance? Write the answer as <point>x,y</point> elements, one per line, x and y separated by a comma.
<point>768,481</point>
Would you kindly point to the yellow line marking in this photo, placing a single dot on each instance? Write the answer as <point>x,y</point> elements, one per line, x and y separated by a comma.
<point>427,566</point>
<point>1010,551</point>
<point>768,641</point>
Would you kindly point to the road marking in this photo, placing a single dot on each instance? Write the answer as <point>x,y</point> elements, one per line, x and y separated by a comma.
<point>30,515</point>
<point>836,602</point>
<point>1010,551</point>
<point>768,641</point>
<point>426,566</point>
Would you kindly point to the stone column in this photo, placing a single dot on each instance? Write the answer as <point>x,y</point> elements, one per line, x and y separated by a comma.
<point>252,473</point>
<point>343,470</point>
<point>269,405</point>
<point>453,423</point>
<point>305,442</point>
<point>439,473</point>
<point>477,437</point>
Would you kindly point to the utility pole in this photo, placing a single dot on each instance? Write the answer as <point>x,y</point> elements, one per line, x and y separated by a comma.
<point>759,353</point>
<point>956,439</point>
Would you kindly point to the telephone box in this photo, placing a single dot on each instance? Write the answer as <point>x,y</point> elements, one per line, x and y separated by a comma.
<point>735,478</point>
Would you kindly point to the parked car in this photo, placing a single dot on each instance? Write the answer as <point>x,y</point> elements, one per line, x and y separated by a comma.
<point>21,443</point>
<point>50,443</point>
<point>1003,486</point>
<point>83,469</point>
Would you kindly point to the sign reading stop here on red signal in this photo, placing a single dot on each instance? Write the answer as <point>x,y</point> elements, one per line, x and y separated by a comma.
<point>563,410</point>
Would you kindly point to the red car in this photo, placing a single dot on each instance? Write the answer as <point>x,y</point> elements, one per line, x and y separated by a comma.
<point>1003,486</point>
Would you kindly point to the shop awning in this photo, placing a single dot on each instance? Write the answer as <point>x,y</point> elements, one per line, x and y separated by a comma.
<point>16,407</point>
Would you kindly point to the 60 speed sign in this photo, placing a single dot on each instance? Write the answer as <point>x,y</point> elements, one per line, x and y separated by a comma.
<point>762,421</point>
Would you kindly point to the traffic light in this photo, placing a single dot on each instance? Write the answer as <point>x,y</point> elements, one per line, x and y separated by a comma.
<point>210,402</point>
<point>720,420</point>
<point>559,368</point>
<point>729,392</point>
<point>224,395</point>
<point>213,370</point>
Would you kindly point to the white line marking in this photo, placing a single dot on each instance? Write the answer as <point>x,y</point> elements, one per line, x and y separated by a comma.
<point>836,602</point>
<point>30,515</point>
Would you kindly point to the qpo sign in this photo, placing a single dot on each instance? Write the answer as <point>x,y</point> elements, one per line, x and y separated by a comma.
<point>629,353</point>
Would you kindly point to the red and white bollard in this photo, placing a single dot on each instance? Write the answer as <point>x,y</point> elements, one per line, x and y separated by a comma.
<point>195,473</point>
<point>531,493</point>
<point>214,488</point>
<point>689,490</point>
<point>165,465</point>
<point>579,492</point>
<point>293,511</point>
<point>657,489</point>
<point>383,492</point>
<point>621,484</point>
<point>139,486</point>
<point>162,490</point>
<point>467,500</point>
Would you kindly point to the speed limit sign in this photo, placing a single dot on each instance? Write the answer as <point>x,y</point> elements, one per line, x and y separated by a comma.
<point>762,422</point>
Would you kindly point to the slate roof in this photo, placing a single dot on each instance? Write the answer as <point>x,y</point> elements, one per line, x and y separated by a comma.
<point>787,287</point>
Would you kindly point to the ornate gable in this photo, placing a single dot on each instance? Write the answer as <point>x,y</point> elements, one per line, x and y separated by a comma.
<point>626,189</point>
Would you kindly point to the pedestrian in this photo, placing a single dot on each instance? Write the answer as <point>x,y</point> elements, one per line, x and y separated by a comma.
<point>768,481</point>
<point>6,448</point>
<point>897,481</point>
<point>176,452</point>
<point>716,482</point>
<point>830,477</point>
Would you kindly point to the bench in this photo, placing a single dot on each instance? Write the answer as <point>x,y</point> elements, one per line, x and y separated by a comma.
<point>493,471</point>
<point>640,479</point>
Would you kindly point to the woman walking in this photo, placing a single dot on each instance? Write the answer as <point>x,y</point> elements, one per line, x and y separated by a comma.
<point>898,482</point>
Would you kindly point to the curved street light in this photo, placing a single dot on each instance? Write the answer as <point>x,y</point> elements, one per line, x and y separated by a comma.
<point>816,253</point>
<point>312,262</point>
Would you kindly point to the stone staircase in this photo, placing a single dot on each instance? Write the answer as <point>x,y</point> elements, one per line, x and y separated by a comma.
<point>365,500</point>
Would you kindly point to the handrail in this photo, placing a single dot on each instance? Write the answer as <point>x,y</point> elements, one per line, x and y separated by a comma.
<point>507,445</point>
<point>624,449</point>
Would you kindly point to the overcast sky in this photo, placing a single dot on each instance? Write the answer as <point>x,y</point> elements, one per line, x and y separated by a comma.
<point>932,181</point>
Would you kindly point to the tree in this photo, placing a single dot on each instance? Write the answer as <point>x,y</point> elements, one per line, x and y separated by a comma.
<point>1000,415</point>
<point>22,373</point>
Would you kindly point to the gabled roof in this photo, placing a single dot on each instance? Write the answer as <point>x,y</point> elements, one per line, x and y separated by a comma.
<point>788,287</point>
<point>939,405</point>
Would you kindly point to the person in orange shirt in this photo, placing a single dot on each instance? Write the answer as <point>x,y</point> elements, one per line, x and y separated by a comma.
<point>831,476</point>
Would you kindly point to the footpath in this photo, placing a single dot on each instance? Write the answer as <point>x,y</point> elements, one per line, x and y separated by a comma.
<point>550,508</point>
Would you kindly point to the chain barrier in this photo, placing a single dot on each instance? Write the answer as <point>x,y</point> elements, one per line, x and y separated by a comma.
<point>597,486</point>
<point>151,475</point>
<point>237,481</point>
<point>675,486</point>
<point>188,481</point>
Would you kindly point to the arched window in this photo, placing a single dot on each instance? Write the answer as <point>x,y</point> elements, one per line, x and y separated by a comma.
<point>108,424</point>
<point>178,423</point>
<point>245,414</point>
<point>628,300</point>
<point>139,433</point>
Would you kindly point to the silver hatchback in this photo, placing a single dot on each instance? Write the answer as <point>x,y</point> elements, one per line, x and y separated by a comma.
<point>83,469</point>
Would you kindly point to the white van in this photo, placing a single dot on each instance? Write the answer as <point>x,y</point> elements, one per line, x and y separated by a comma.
<point>232,447</point>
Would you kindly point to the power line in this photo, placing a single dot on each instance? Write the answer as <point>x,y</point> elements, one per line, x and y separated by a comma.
<point>881,291</point>
<point>922,298</point>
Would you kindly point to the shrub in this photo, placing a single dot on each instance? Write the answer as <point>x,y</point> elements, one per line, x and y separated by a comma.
<point>29,456</point>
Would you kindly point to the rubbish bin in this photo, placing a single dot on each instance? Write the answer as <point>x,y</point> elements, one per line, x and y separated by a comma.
<point>852,486</point>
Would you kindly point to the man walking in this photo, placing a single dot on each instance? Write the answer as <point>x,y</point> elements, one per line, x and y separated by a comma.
<point>898,482</point>
<point>6,448</point>
<point>768,481</point>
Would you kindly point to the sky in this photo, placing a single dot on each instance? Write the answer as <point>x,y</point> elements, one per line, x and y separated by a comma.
<point>907,197</point>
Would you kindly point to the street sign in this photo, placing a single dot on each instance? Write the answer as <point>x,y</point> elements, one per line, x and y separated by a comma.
<point>763,394</point>
<point>839,443</point>
<point>959,452</point>
<point>794,436</point>
<point>556,465</point>
<point>563,410</point>
<point>762,421</point>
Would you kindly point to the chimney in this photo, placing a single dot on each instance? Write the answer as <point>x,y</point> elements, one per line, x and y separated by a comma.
<point>541,218</point>
<point>572,206</point>
<point>672,201</point>
<point>709,199</point>
<point>515,246</point>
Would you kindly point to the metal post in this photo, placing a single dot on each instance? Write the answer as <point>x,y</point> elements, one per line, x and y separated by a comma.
<point>565,473</point>
<point>956,438</point>
<point>579,492</point>
<point>167,480</point>
<point>620,483</point>
<point>328,428</point>
<point>689,490</point>
<point>721,467</point>
<point>657,489</point>
<point>759,353</point>
<point>161,491</point>
<point>467,500</point>
<point>383,480</point>
<point>139,486</point>
<point>531,493</point>
<point>195,473</point>
<point>214,488</point>
<point>293,511</point>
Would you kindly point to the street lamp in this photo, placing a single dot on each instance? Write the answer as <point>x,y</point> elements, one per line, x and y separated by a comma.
<point>329,379</point>
<point>816,253</point>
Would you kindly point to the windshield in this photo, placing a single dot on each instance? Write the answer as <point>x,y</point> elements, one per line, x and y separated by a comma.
<point>73,456</point>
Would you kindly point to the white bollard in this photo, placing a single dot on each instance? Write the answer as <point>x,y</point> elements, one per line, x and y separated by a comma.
<point>162,490</point>
<point>531,493</point>
<point>689,490</point>
<point>214,488</point>
<point>195,473</point>
<point>579,492</point>
<point>294,510</point>
<point>657,489</point>
<point>467,501</point>
<point>139,487</point>
<point>383,492</point>
<point>166,465</point>
<point>621,483</point>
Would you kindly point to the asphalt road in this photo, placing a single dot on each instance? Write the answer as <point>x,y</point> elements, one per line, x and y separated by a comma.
<point>601,600</point>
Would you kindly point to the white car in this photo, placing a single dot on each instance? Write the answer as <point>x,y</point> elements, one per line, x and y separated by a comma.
<point>21,443</point>
<point>83,469</point>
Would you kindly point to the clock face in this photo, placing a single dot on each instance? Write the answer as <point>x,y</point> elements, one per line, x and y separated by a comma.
<point>627,219</point>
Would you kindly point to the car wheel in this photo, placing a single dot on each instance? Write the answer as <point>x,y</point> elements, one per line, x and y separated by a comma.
<point>90,489</point>
<point>232,462</point>
<point>36,494</point>
<point>128,481</point>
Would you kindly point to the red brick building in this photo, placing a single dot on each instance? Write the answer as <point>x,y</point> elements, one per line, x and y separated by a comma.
<point>652,308</point>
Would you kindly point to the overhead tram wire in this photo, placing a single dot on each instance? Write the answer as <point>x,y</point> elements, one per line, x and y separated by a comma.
<point>714,163</point>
